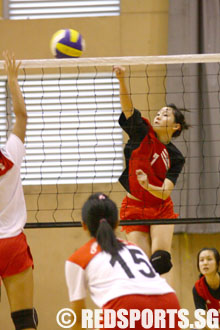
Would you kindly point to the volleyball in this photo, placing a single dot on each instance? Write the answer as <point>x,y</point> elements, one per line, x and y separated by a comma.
<point>67,43</point>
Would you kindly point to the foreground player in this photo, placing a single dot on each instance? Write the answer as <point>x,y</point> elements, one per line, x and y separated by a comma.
<point>153,165</point>
<point>15,258</point>
<point>206,292</point>
<point>117,274</point>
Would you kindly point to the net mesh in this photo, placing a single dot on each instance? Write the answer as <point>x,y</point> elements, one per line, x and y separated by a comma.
<point>75,145</point>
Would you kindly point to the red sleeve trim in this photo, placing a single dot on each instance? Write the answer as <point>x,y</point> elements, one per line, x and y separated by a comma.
<point>84,255</point>
<point>5,164</point>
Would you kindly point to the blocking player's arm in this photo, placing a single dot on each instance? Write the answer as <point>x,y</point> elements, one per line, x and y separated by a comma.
<point>162,192</point>
<point>125,98</point>
<point>77,307</point>
<point>19,107</point>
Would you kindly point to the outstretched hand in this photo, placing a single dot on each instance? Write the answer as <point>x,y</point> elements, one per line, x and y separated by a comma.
<point>11,68</point>
<point>119,71</point>
<point>142,178</point>
<point>10,65</point>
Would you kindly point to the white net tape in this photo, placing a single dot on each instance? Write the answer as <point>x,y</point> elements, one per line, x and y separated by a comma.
<point>110,61</point>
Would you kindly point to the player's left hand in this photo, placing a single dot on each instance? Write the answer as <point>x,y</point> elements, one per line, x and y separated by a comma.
<point>142,178</point>
<point>11,67</point>
<point>119,71</point>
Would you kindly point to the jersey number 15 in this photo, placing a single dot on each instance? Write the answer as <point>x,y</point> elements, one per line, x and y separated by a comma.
<point>147,270</point>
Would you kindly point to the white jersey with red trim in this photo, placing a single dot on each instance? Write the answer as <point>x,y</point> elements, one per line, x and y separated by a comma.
<point>12,204</point>
<point>107,277</point>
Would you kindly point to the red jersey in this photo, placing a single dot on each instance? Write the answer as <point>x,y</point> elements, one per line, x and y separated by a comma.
<point>203,291</point>
<point>144,151</point>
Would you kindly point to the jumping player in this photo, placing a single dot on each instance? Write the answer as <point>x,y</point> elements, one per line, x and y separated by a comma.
<point>15,258</point>
<point>117,274</point>
<point>153,165</point>
<point>206,292</point>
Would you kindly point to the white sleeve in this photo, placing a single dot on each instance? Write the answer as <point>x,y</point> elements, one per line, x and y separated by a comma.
<point>14,150</point>
<point>75,279</point>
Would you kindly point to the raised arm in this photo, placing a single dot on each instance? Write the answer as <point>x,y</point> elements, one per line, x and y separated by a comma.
<point>19,107</point>
<point>125,98</point>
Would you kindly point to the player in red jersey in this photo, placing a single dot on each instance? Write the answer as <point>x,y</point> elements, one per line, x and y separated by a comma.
<point>117,274</point>
<point>16,262</point>
<point>206,292</point>
<point>153,165</point>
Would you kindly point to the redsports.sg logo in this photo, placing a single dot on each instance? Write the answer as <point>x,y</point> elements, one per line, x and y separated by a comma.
<point>109,318</point>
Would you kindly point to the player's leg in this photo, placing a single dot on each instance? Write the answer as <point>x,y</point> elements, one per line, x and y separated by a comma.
<point>141,239</point>
<point>19,290</point>
<point>18,280</point>
<point>138,234</point>
<point>161,242</point>
<point>161,237</point>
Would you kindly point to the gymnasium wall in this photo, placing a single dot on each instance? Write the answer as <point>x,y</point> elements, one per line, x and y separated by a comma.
<point>141,29</point>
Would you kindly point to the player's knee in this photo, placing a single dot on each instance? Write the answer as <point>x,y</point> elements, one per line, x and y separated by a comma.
<point>25,319</point>
<point>161,261</point>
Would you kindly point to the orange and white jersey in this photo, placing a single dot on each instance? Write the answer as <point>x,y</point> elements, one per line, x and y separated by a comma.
<point>107,277</point>
<point>12,203</point>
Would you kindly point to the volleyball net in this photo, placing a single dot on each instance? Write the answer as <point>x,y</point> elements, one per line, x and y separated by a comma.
<point>74,145</point>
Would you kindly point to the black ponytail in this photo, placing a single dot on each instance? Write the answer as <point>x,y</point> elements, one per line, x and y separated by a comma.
<point>179,119</point>
<point>100,214</point>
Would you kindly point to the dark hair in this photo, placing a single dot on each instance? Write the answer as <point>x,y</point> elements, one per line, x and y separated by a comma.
<point>100,214</point>
<point>179,119</point>
<point>216,255</point>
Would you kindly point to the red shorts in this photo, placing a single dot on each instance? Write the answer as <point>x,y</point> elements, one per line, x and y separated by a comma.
<point>15,255</point>
<point>151,302</point>
<point>132,209</point>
